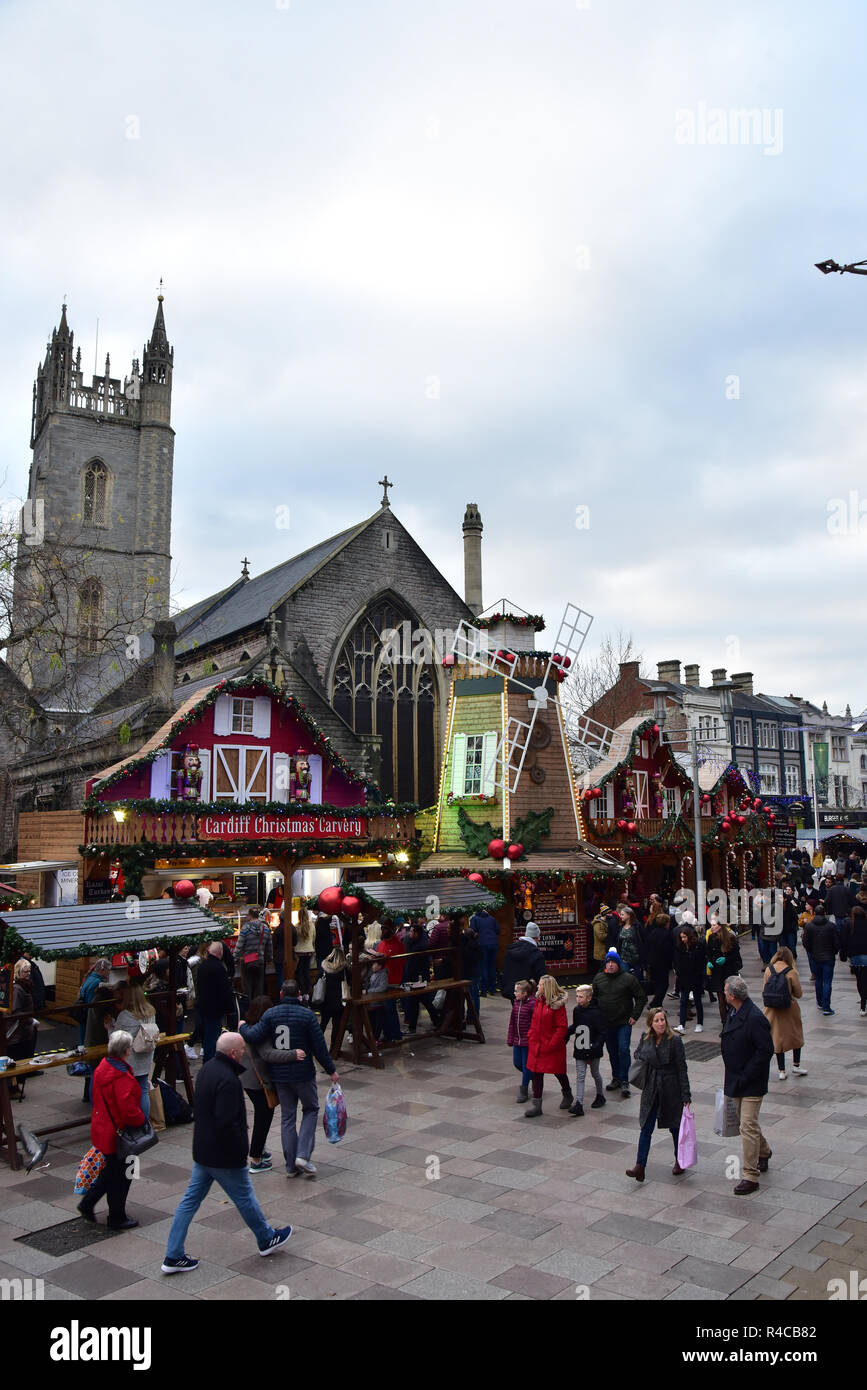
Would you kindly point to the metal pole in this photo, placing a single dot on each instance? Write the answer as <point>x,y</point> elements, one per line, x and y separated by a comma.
<point>696,822</point>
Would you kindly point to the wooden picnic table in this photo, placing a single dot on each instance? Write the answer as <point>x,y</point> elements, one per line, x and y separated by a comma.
<point>21,1070</point>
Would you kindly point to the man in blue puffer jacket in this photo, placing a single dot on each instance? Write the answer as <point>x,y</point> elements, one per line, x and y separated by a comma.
<point>487,929</point>
<point>291,1028</point>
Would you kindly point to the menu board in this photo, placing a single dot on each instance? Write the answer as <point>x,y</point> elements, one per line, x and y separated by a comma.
<point>97,890</point>
<point>564,948</point>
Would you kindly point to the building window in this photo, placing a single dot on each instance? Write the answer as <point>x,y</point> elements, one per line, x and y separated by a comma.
<point>769,779</point>
<point>743,736</point>
<point>95,493</point>
<point>838,748</point>
<point>89,617</point>
<point>864,793</point>
<point>766,734</point>
<point>242,716</point>
<point>378,688</point>
<point>841,790</point>
<point>473,766</point>
<point>864,762</point>
<point>790,739</point>
<point>793,781</point>
<point>709,727</point>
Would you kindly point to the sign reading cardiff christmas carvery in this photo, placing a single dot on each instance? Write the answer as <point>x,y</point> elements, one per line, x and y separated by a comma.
<point>253,827</point>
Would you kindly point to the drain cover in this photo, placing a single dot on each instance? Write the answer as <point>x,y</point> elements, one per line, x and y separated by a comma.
<point>65,1238</point>
<point>702,1051</point>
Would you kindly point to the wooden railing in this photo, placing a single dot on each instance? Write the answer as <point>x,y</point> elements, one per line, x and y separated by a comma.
<point>182,828</point>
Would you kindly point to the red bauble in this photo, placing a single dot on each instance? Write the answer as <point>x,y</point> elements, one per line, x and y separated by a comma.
<point>597,791</point>
<point>510,656</point>
<point>556,658</point>
<point>475,878</point>
<point>501,655</point>
<point>726,826</point>
<point>631,827</point>
<point>351,906</point>
<point>497,849</point>
<point>588,795</point>
<point>772,818</point>
<point>515,851</point>
<point>330,900</point>
<point>567,662</point>
<point>621,825</point>
<point>184,888</point>
<point>757,805</point>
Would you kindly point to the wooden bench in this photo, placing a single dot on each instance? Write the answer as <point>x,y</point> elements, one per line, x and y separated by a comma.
<point>21,1070</point>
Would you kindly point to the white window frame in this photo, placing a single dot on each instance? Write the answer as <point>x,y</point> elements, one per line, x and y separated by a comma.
<point>769,773</point>
<point>839,752</point>
<point>249,762</point>
<point>242,716</point>
<point>790,739</point>
<point>474,765</point>
<point>743,733</point>
<point>793,780</point>
<point>766,734</point>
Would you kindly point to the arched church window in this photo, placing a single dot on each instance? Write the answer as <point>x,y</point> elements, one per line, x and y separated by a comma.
<point>89,616</point>
<point>95,494</point>
<point>384,683</point>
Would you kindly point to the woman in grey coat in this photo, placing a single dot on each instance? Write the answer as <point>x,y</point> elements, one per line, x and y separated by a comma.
<point>665,1090</point>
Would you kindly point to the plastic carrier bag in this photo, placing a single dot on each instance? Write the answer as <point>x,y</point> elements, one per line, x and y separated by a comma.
<point>334,1118</point>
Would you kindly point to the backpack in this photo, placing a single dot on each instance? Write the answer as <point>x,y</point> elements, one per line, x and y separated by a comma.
<point>776,993</point>
<point>146,1038</point>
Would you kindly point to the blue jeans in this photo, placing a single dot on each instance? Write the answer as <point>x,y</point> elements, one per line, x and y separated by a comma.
<point>237,1186</point>
<point>519,1058</point>
<point>768,949</point>
<point>617,1041</point>
<point>145,1102</point>
<point>298,1144</point>
<point>211,1030</point>
<point>476,996</point>
<point>489,969</point>
<point>824,972</point>
<point>646,1135</point>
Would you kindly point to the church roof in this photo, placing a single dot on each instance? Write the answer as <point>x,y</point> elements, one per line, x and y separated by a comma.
<point>249,602</point>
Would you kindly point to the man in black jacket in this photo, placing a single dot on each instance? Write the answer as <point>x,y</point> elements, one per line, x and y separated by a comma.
<point>523,961</point>
<point>220,1149</point>
<point>747,1050</point>
<point>214,998</point>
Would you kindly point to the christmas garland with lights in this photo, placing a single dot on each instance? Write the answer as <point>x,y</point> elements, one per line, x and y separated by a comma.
<point>534,620</point>
<point>226,687</point>
<point>147,806</point>
<point>15,944</point>
<point>234,849</point>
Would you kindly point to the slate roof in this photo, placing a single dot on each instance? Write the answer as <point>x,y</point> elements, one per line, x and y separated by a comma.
<point>98,929</point>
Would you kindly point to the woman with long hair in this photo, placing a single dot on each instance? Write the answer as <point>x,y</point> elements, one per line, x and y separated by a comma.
<point>723,960</point>
<point>547,1049</point>
<point>137,1016</point>
<point>690,966</point>
<point>786,1028</point>
<point>304,944</point>
<point>666,1091</point>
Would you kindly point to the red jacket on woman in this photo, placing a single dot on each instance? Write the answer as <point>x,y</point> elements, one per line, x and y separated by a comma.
<point>548,1039</point>
<point>116,1103</point>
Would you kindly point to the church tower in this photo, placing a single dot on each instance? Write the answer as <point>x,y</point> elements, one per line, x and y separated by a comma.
<point>98,515</point>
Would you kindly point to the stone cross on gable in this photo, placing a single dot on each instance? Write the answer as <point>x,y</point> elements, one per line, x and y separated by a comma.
<point>385,485</point>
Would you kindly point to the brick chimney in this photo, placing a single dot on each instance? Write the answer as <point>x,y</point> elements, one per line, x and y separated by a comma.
<point>718,676</point>
<point>629,669</point>
<point>668,671</point>
<point>163,664</point>
<point>744,681</point>
<point>473,558</point>
<point>691,675</point>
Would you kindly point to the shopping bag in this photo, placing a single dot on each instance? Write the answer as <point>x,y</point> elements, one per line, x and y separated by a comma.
<point>88,1171</point>
<point>334,1118</point>
<point>687,1149</point>
<point>158,1114</point>
<point>726,1123</point>
<point>318,996</point>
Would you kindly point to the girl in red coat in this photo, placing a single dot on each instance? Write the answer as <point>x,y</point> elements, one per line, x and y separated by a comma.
<point>548,1043</point>
<point>116,1104</point>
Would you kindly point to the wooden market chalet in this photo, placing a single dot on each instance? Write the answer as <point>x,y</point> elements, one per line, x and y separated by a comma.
<point>637,804</point>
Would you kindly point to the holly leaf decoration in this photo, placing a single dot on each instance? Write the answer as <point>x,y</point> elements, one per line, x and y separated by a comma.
<point>528,831</point>
<point>476,837</point>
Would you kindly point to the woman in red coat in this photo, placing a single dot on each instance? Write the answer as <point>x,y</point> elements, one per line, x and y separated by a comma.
<point>116,1104</point>
<point>547,1052</point>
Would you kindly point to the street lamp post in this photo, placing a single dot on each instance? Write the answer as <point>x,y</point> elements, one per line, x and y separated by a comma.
<point>830,267</point>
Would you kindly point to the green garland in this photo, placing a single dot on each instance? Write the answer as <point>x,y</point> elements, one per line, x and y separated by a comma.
<point>14,945</point>
<point>534,620</point>
<point>223,688</point>
<point>147,806</point>
<point>226,849</point>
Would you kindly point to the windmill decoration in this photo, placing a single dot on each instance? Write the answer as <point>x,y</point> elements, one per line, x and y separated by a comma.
<point>471,644</point>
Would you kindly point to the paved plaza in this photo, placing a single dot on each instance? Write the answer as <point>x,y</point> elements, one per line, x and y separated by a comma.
<point>521,1209</point>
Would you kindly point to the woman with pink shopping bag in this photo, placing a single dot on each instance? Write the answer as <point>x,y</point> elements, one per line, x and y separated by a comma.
<point>661,1076</point>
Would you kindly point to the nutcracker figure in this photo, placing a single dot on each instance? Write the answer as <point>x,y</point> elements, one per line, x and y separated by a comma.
<point>191,774</point>
<point>301,777</point>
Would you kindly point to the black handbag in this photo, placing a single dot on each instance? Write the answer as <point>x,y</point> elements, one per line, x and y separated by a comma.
<point>133,1140</point>
<point>638,1075</point>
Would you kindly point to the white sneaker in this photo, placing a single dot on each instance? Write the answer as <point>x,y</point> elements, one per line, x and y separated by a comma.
<point>679,1028</point>
<point>799,1071</point>
<point>306,1166</point>
<point>782,1075</point>
<point>191,1052</point>
<point>699,1028</point>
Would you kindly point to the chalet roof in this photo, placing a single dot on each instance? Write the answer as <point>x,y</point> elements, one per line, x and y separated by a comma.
<point>162,734</point>
<point>581,861</point>
<point>411,896</point>
<point>102,929</point>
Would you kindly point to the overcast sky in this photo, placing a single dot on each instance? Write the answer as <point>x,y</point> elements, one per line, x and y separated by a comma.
<point>496,248</point>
